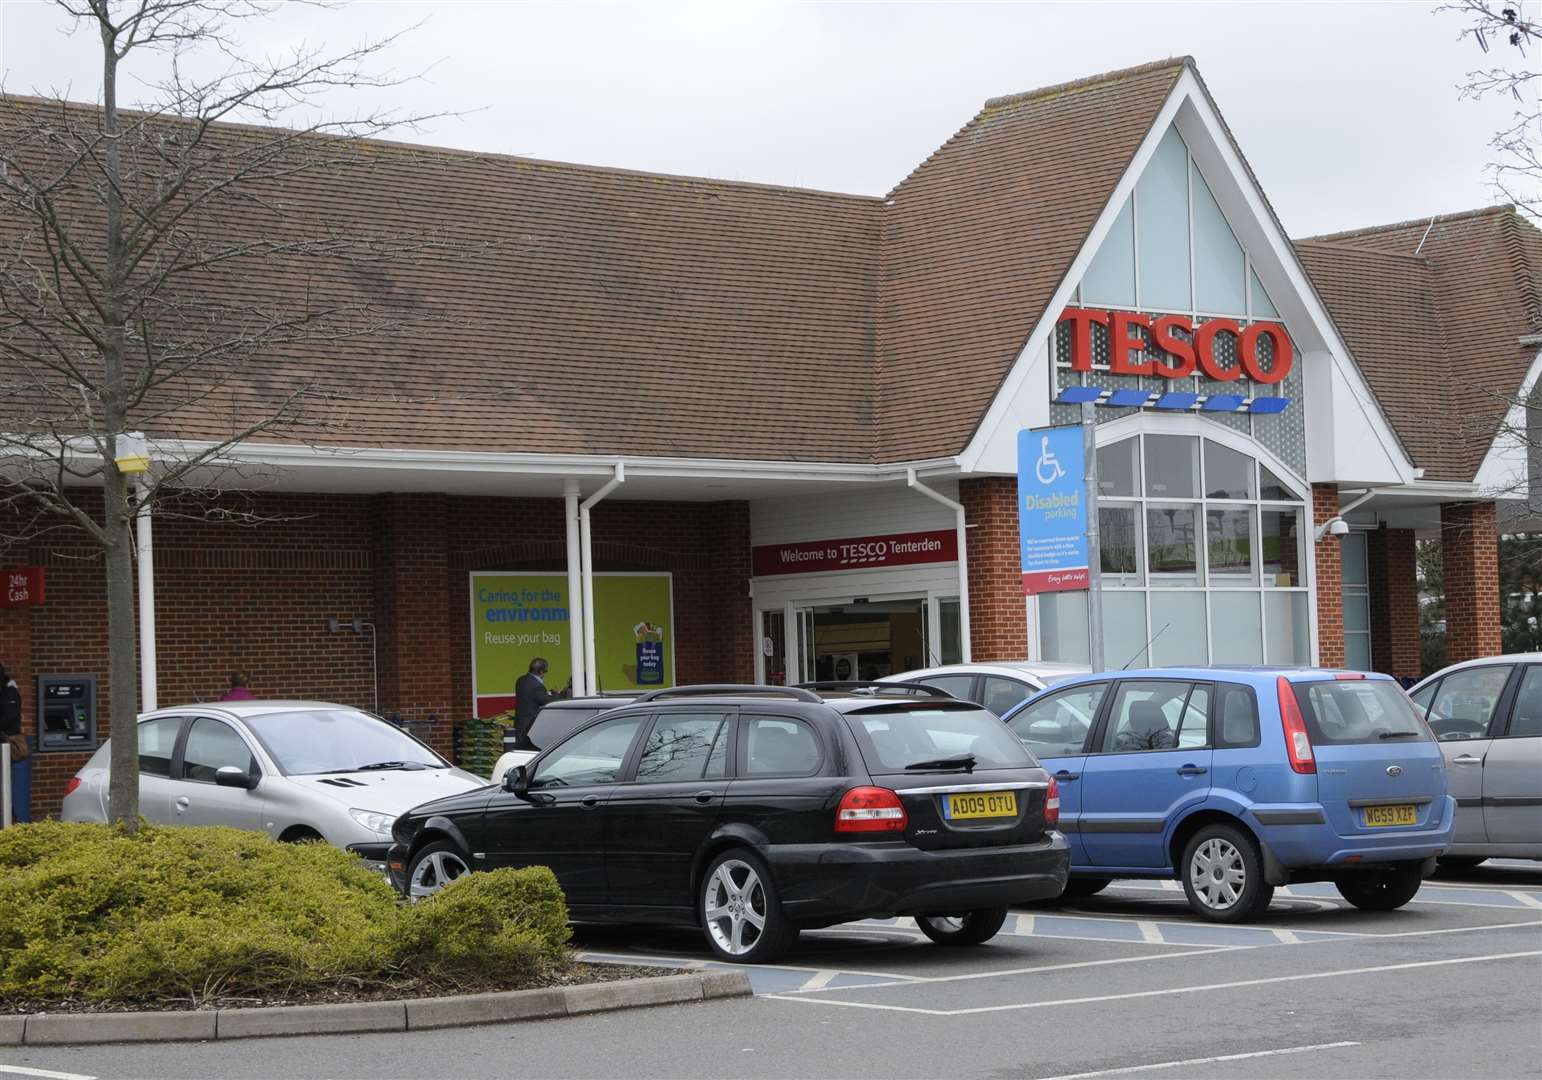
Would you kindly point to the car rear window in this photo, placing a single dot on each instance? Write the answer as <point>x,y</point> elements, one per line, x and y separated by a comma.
<point>551,726</point>
<point>1342,711</point>
<point>895,735</point>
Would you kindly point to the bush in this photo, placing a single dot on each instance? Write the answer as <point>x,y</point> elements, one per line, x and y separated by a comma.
<point>197,914</point>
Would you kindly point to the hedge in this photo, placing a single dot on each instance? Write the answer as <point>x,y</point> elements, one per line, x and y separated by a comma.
<point>93,913</point>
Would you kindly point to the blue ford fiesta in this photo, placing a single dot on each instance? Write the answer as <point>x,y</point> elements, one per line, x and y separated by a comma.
<point>1238,780</point>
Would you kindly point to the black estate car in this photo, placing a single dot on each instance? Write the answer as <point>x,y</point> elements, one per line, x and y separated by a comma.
<point>755,812</point>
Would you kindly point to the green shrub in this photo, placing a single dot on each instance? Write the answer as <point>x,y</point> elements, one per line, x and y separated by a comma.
<point>91,912</point>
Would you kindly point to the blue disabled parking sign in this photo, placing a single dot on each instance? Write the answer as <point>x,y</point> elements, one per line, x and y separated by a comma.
<point>1052,509</point>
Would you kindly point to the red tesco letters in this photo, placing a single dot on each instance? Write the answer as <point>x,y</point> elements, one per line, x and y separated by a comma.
<point>1185,344</point>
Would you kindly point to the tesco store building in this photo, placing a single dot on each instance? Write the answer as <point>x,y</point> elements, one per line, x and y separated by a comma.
<point>666,430</point>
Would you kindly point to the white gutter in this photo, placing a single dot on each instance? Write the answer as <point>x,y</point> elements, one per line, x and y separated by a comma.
<point>146,562</point>
<point>965,646</point>
<point>565,465</point>
<point>576,668</point>
<point>591,683</point>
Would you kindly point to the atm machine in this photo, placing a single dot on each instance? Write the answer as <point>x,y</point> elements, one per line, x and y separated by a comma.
<point>66,712</point>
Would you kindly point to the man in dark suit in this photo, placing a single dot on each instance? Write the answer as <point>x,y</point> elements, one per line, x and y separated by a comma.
<point>530,697</point>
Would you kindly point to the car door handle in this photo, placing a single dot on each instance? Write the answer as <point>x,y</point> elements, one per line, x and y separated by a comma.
<point>1192,770</point>
<point>1066,776</point>
<point>182,803</point>
<point>705,796</point>
<point>591,800</point>
<point>1466,759</point>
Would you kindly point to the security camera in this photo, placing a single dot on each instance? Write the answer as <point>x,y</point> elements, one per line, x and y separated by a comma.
<point>1338,527</point>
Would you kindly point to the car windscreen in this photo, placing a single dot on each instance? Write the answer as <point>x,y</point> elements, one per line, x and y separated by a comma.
<point>552,725</point>
<point>308,741</point>
<point>903,736</point>
<point>1342,711</point>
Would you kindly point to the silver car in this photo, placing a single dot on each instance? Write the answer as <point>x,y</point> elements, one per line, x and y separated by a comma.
<point>997,686</point>
<point>296,770</point>
<point>1487,715</point>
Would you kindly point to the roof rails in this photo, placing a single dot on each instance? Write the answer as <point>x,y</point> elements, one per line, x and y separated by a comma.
<point>875,688</point>
<point>725,689</point>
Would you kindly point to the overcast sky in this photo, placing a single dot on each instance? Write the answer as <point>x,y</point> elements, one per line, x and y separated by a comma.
<point>1349,113</point>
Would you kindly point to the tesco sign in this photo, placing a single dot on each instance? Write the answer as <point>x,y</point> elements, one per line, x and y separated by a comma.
<point>1189,346</point>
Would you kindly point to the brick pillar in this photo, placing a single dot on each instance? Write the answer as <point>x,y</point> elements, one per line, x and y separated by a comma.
<point>1469,555</point>
<point>729,555</point>
<point>998,616</point>
<point>1330,580</point>
<point>411,567</point>
<point>1394,588</point>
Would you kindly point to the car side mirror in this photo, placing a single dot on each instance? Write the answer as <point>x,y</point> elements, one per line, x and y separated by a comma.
<point>517,780</point>
<point>230,776</point>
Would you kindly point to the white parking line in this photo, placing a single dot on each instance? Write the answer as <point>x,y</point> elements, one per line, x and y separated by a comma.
<point>1286,937</point>
<point>1203,1060</point>
<point>819,980</point>
<point>928,980</point>
<point>1150,934</point>
<point>46,1074</point>
<point>1024,926</point>
<point>650,960</point>
<point>1165,992</point>
<point>1526,898</point>
<point>1049,934</point>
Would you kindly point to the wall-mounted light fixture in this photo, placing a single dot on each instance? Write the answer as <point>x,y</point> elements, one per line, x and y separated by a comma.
<point>358,625</point>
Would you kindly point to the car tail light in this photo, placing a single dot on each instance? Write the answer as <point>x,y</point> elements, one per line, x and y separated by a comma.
<point>870,809</point>
<point>69,789</point>
<point>1052,804</point>
<point>1298,744</point>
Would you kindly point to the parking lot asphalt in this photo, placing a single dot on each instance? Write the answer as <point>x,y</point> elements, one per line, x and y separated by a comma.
<point>1126,983</point>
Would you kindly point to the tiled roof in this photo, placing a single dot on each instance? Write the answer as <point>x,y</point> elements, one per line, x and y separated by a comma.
<point>979,236</point>
<point>554,308</point>
<point>1432,311</point>
<point>571,309</point>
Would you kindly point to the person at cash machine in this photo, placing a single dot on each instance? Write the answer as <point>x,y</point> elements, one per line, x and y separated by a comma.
<point>10,731</point>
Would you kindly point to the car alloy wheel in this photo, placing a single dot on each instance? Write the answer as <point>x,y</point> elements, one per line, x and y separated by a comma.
<point>433,870</point>
<point>1217,873</point>
<point>966,928</point>
<point>735,907</point>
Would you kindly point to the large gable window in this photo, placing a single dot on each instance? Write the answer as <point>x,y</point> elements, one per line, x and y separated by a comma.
<point>1170,248</point>
<point>1203,558</point>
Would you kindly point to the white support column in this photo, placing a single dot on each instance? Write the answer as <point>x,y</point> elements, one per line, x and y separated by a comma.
<point>146,560</point>
<point>591,682</point>
<point>959,526</point>
<point>576,607</point>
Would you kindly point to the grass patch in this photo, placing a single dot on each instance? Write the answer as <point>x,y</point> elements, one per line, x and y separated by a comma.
<point>89,913</point>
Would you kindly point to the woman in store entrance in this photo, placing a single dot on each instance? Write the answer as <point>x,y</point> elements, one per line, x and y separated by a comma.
<point>10,731</point>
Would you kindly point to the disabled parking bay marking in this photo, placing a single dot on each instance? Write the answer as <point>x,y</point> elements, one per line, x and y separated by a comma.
<point>764,978</point>
<point>811,999</point>
<point>43,1074</point>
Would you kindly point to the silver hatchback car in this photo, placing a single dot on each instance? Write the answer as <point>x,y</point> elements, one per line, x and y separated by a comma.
<point>1487,715</point>
<point>295,770</point>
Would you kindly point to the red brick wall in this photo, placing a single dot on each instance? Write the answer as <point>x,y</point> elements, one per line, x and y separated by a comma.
<point>1330,581</point>
<point>1394,594</point>
<point>254,592</point>
<point>1469,546</point>
<point>998,615</point>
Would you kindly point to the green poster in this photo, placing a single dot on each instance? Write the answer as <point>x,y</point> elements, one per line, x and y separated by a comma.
<point>517,617</point>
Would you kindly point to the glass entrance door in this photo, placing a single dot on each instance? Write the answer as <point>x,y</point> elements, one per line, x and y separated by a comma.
<point>861,640</point>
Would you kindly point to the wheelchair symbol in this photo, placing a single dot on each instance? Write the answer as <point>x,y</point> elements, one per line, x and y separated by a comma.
<point>1047,468</point>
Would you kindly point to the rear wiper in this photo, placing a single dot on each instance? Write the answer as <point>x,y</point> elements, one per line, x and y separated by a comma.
<point>1397,734</point>
<point>962,761</point>
<point>409,765</point>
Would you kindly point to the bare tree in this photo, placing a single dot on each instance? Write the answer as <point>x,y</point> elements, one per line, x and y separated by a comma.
<point>1517,167</point>
<point>129,242</point>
